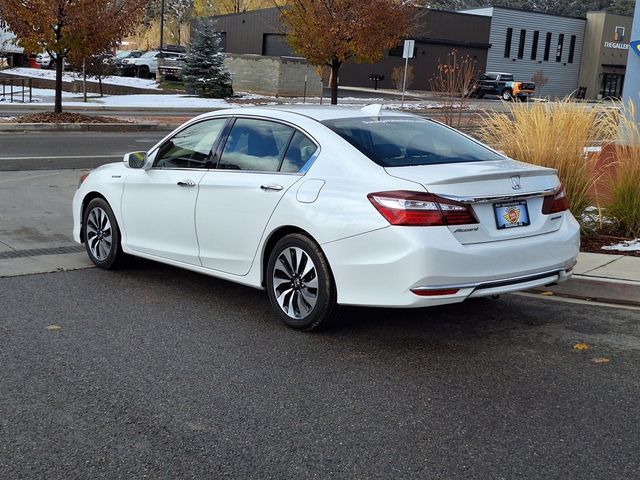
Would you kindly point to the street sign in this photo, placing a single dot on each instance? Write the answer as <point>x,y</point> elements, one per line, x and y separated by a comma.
<point>409,46</point>
<point>635,46</point>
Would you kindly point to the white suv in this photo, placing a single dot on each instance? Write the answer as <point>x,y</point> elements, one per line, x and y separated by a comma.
<point>146,66</point>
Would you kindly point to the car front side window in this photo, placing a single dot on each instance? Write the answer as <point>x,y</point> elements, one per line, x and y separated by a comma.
<point>191,147</point>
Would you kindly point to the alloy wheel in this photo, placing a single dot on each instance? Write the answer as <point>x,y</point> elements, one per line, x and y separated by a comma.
<point>99,234</point>
<point>295,282</point>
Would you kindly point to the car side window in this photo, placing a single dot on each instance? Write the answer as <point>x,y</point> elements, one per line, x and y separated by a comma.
<point>255,145</point>
<point>191,147</point>
<point>300,150</point>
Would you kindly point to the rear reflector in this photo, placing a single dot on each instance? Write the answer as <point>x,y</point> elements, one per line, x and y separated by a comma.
<point>421,209</point>
<point>435,293</point>
<point>555,203</point>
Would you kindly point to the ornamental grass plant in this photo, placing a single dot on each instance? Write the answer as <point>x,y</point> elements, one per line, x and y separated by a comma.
<point>554,135</point>
<point>621,204</point>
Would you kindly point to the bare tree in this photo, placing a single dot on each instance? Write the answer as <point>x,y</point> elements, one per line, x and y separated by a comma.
<point>456,80</point>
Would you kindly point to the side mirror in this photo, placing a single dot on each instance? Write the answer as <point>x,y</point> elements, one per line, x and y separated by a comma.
<point>135,159</point>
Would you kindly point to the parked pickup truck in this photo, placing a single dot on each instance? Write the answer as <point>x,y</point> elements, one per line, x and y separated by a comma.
<point>503,85</point>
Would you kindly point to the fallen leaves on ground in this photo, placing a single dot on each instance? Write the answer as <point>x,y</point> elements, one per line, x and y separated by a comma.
<point>66,117</point>
<point>581,346</point>
<point>547,293</point>
<point>600,360</point>
<point>53,328</point>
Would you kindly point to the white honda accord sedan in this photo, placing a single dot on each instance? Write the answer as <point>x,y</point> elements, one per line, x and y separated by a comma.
<point>328,206</point>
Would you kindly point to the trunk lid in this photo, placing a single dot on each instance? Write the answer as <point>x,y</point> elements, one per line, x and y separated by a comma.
<point>502,194</point>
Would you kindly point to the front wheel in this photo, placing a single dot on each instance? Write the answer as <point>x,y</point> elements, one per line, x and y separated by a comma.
<point>300,284</point>
<point>101,235</point>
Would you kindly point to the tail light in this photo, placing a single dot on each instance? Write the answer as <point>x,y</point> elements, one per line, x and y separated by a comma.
<point>555,203</point>
<point>421,209</point>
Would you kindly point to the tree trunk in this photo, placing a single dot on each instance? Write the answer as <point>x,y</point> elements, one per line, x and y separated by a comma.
<point>84,79</point>
<point>333,81</point>
<point>59,65</point>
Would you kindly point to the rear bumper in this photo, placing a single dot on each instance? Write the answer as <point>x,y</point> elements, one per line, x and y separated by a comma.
<point>394,266</point>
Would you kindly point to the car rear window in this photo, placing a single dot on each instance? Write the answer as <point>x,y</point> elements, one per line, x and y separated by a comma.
<point>407,141</point>
<point>506,78</point>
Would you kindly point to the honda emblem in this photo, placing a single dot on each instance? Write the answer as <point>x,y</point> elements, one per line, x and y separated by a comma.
<point>515,182</point>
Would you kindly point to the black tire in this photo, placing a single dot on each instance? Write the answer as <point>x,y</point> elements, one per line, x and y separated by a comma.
<point>101,235</point>
<point>506,95</point>
<point>289,282</point>
<point>143,72</point>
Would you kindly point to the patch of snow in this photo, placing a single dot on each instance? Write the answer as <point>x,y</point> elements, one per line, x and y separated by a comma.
<point>69,77</point>
<point>593,215</point>
<point>626,246</point>
<point>251,96</point>
<point>174,101</point>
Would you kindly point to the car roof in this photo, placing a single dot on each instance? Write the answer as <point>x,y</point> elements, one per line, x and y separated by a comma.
<point>316,112</point>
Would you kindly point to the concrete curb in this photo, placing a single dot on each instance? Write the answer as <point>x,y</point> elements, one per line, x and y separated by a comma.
<point>603,290</point>
<point>86,127</point>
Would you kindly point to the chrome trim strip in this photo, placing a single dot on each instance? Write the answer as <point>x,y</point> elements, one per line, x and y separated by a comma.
<point>504,198</point>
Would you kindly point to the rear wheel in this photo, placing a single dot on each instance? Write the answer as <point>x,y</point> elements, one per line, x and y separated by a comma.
<point>300,284</point>
<point>101,235</point>
<point>506,95</point>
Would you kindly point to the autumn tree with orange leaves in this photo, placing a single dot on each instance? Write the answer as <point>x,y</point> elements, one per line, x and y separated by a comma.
<point>67,28</point>
<point>330,32</point>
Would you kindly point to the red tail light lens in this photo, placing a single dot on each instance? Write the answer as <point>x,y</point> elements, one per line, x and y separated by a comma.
<point>421,209</point>
<point>555,203</point>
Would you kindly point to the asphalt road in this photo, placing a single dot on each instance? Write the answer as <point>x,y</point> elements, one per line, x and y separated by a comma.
<point>153,372</point>
<point>63,150</point>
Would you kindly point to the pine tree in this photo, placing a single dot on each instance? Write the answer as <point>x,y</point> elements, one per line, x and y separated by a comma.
<point>204,71</point>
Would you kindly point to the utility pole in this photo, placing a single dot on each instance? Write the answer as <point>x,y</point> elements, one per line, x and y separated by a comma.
<point>161,26</point>
<point>631,89</point>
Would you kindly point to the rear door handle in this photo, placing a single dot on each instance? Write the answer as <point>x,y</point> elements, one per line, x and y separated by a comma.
<point>187,183</point>
<point>271,187</point>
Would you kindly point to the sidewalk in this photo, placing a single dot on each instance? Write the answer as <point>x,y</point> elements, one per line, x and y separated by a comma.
<point>602,278</point>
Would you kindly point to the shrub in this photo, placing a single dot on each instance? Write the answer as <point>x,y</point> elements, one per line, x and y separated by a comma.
<point>553,135</point>
<point>397,77</point>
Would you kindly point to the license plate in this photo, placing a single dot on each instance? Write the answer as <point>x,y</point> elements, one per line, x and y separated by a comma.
<point>510,215</point>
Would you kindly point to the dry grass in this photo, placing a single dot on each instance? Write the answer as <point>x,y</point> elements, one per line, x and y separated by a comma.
<point>622,204</point>
<point>554,135</point>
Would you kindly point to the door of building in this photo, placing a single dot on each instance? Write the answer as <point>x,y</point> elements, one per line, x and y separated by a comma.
<point>612,85</point>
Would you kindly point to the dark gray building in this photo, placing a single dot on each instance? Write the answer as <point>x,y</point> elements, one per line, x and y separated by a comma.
<point>528,43</point>
<point>437,33</point>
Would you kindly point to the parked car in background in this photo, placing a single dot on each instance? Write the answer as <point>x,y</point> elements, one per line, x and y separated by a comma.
<point>122,55</point>
<point>146,66</point>
<point>44,60</point>
<point>171,69</point>
<point>503,85</point>
<point>327,206</point>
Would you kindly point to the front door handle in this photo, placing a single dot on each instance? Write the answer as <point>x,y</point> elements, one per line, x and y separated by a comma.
<point>271,187</point>
<point>187,183</point>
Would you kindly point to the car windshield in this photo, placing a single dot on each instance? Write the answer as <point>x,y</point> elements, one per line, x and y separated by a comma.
<point>408,141</point>
<point>124,54</point>
<point>151,54</point>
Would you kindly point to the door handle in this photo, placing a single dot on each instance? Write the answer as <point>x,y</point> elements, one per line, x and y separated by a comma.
<point>271,187</point>
<point>187,183</point>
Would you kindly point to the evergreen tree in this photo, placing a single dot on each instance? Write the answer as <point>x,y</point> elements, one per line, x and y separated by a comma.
<point>204,71</point>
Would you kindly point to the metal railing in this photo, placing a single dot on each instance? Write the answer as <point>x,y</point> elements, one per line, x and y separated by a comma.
<point>16,89</point>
